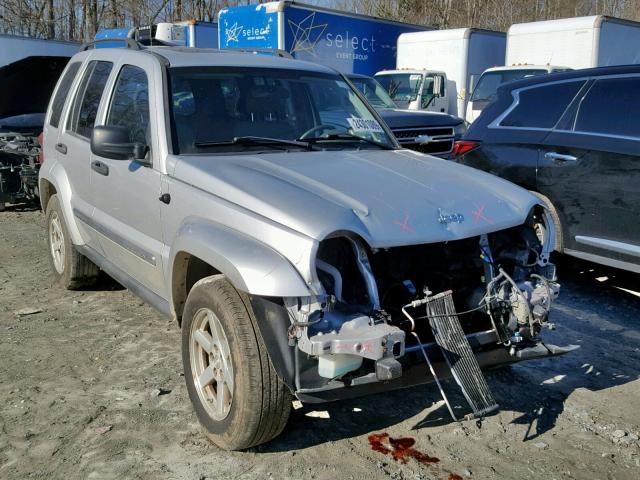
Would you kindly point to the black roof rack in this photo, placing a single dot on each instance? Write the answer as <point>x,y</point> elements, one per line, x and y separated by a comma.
<point>129,43</point>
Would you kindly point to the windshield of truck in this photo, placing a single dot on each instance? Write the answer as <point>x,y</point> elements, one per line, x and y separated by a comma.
<point>221,109</point>
<point>402,87</point>
<point>489,82</point>
<point>375,93</point>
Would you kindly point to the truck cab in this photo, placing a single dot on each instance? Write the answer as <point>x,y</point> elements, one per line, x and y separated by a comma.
<point>417,89</point>
<point>488,83</point>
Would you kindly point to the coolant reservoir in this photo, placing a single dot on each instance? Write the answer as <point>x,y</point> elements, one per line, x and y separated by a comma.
<point>332,366</point>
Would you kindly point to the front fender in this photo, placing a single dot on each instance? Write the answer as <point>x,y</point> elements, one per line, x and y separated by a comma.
<point>251,266</point>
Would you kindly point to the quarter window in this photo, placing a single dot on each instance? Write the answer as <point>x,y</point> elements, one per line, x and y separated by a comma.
<point>130,103</point>
<point>62,93</point>
<point>610,107</point>
<point>87,101</point>
<point>542,107</point>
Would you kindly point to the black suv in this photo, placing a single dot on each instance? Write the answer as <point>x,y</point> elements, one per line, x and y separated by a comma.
<point>574,139</point>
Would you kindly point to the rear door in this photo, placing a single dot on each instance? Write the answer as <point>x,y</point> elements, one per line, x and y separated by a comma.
<point>590,169</point>
<point>56,112</point>
<point>72,147</point>
<point>126,193</point>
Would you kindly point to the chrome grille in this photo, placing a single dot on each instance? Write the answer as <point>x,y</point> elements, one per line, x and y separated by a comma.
<point>437,140</point>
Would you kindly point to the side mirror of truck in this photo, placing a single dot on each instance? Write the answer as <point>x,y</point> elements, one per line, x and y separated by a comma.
<point>438,83</point>
<point>111,141</point>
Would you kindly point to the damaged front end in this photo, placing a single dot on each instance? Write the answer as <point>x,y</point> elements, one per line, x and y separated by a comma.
<point>400,316</point>
<point>20,162</point>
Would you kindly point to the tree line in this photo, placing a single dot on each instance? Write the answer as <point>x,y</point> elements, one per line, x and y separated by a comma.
<point>491,14</point>
<point>79,20</point>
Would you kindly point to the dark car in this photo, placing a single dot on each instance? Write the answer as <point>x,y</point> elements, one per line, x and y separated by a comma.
<point>21,121</point>
<point>427,132</point>
<point>574,139</point>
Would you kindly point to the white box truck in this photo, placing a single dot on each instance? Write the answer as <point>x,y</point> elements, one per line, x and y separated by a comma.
<point>458,56</point>
<point>558,45</point>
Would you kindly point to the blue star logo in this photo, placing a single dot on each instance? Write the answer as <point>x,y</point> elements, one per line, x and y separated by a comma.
<point>306,35</point>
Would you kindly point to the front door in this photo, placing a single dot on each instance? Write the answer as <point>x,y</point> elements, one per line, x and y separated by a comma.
<point>126,192</point>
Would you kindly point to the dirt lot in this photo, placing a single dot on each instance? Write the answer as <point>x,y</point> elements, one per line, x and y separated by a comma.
<point>91,387</point>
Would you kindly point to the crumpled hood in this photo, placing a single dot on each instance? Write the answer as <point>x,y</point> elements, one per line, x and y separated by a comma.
<point>390,198</point>
<point>412,119</point>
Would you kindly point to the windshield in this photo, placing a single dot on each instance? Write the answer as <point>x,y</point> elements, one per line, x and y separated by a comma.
<point>402,87</point>
<point>375,93</point>
<point>218,108</point>
<point>489,82</point>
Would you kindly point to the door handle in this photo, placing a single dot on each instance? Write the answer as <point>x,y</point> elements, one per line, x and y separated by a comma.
<point>61,147</point>
<point>559,156</point>
<point>101,168</point>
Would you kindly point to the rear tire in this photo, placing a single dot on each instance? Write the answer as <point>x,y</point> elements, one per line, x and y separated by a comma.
<point>3,207</point>
<point>237,396</point>
<point>71,269</point>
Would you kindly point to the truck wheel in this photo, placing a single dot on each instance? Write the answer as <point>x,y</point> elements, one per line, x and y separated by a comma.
<point>237,396</point>
<point>71,270</point>
<point>2,207</point>
<point>556,220</point>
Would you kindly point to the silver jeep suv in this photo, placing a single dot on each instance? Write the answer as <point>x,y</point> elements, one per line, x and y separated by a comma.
<point>262,203</point>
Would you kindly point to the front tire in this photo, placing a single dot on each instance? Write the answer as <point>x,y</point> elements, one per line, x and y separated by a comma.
<point>71,269</point>
<point>237,396</point>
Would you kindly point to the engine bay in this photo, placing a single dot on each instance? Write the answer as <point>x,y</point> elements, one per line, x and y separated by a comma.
<point>378,311</point>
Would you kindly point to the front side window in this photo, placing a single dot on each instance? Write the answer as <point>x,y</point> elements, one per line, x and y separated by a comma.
<point>130,103</point>
<point>62,93</point>
<point>542,107</point>
<point>402,87</point>
<point>218,108</point>
<point>428,93</point>
<point>85,106</point>
<point>610,107</point>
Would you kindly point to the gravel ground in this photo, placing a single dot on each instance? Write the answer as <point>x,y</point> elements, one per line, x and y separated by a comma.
<point>91,387</point>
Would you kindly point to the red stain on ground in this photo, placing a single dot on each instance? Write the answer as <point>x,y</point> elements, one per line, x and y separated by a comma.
<point>400,449</point>
<point>454,476</point>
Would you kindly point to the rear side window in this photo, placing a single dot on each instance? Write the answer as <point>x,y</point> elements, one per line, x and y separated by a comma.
<point>85,106</point>
<point>542,107</point>
<point>62,93</point>
<point>610,108</point>
<point>130,103</point>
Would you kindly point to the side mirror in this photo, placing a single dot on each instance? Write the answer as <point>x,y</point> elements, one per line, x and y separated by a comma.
<point>438,81</point>
<point>111,141</point>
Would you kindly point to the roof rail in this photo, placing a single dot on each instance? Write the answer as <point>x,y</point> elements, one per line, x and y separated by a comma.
<point>278,52</point>
<point>129,43</point>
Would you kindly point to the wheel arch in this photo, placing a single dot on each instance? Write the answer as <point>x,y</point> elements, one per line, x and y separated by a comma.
<point>203,248</point>
<point>55,182</point>
<point>47,190</point>
<point>558,223</point>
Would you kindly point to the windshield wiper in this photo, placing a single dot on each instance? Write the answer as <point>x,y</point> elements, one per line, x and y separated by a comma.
<point>251,140</point>
<point>349,136</point>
